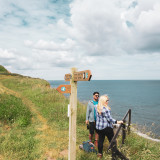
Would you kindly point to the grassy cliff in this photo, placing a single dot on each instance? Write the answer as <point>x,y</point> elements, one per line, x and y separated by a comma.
<point>34,124</point>
<point>3,70</point>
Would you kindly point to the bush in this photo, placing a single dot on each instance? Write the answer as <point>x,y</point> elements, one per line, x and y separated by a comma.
<point>12,110</point>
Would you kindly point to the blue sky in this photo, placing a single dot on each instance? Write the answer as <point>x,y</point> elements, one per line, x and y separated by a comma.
<point>118,39</point>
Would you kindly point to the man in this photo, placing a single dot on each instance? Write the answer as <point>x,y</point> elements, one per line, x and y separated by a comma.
<point>90,118</point>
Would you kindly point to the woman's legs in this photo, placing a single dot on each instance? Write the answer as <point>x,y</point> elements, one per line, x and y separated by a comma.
<point>109,133</point>
<point>101,140</point>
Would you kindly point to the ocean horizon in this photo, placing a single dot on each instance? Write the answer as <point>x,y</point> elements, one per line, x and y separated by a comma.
<point>141,96</point>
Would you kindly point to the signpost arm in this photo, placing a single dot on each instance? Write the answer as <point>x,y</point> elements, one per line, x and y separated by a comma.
<point>72,117</point>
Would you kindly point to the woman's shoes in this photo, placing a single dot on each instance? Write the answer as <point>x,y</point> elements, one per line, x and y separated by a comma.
<point>99,155</point>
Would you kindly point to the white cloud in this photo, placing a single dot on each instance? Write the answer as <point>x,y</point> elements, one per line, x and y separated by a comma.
<point>51,45</point>
<point>143,36</point>
<point>115,27</point>
<point>104,36</point>
<point>96,26</point>
<point>28,43</point>
<point>13,58</point>
<point>6,54</point>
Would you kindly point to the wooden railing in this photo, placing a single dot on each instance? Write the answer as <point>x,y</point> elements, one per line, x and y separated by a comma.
<point>113,144</point>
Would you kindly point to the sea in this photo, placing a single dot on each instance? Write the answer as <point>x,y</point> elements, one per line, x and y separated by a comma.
<point>141,96</point>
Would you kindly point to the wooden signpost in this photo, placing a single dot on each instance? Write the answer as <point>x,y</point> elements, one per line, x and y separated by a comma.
<point>79,76</point>
<point>67,77</point>
<point>72,89</point>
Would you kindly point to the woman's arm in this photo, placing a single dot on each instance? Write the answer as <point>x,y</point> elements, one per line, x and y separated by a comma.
<point>109,117</point>
<point>119,122</point>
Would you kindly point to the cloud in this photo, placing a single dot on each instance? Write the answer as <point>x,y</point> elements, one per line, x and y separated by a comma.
<point>14,60</point>
<point>5,54</point>
<point>51,45</point>
<point>96,29</point>
<point>114,27</point>
<point>57,54</point>
<point>94,34</point>
<point>143,36</point>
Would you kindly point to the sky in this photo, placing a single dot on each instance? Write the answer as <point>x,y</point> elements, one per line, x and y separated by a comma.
<point>115,39</point>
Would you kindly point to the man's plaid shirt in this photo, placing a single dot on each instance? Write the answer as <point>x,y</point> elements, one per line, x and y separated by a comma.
<point>104,119</point>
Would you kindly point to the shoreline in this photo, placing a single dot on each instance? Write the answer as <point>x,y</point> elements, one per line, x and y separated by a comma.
<point>134,130</point>
<point>144,135</point>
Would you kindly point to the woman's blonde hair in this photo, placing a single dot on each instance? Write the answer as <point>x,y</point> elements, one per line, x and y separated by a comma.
<point>101,103</point>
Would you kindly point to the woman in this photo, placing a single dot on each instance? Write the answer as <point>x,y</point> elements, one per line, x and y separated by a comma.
<point>104,122</point>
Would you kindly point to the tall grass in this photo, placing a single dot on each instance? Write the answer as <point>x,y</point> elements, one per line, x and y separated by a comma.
<point>16,131</point>
<point>50,103</point>
<point>53,106</point>
<point>12,110</point>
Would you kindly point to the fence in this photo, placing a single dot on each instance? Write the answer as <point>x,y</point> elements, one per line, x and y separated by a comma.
<point>113,144</point>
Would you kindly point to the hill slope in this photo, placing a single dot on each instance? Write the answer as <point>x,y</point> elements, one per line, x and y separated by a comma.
<point>3,70</point>
<point>34,124</point>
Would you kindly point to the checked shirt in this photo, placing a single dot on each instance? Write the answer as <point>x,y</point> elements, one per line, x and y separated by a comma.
<point>104,119</point>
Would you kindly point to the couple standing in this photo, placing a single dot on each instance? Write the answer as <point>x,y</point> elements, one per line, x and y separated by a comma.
<point>100,121</point>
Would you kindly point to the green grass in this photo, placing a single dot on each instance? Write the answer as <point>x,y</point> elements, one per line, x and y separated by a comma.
<point>3,70</point>
<point>19,144</point>
<point>53,107</point>
<point>13,110</point>
<point>139,148</point>
<point>16,131</point>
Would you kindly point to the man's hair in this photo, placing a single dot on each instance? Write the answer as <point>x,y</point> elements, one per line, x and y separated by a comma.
<point>95,93</point>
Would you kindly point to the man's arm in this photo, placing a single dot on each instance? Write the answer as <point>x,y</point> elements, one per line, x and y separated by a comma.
<point>87,114</point>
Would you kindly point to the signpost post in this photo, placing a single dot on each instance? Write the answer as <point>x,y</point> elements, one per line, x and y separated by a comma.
<point>72,118</point>
<point>72,89</point>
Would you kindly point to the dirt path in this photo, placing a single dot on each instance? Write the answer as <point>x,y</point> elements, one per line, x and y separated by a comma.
<point>45,134</point>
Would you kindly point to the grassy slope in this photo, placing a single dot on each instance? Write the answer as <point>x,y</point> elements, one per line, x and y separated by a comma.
<point>42,132</point>
<point>3,70</point>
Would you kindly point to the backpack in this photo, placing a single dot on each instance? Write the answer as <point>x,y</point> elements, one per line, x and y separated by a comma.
<point>88,146</point>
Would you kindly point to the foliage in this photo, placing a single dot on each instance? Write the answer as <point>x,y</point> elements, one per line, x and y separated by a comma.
<point>46,130</point>
<point>13,110</point>
<point>3,70</point>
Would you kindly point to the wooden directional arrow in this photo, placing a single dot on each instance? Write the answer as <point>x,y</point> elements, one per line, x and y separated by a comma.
<point>83,75</point>
<point>79,76</point>
<point>67,77</point>
<point>64,88</point>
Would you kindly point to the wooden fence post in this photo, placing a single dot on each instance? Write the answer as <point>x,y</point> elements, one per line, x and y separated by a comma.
<point>123,131</point>
<point>72,117</point>
<point>129,121</point>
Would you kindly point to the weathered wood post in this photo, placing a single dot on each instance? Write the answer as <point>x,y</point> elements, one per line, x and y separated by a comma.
<point>129,121</point>
<point>123,131</point>
<point>72,117</point>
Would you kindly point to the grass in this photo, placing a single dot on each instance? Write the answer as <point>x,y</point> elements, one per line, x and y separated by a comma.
<point>2,69</point>
<point>18,143</point>
<point>139,148</point>
<point>38,129</point>
<point>13,110</point>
